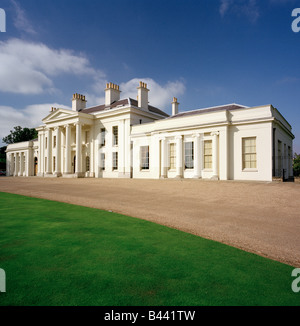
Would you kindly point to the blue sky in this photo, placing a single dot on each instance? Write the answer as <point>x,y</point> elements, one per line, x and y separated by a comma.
<point>204,52</point>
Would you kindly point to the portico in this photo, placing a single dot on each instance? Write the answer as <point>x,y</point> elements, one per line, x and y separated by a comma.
<point>65,141</point>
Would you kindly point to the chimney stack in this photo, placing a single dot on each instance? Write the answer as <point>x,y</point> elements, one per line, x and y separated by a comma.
<point>112,93</point>
<point>53,109</point>
<point>78,102</point>
<point>143,96</point>
<point>175,106</point>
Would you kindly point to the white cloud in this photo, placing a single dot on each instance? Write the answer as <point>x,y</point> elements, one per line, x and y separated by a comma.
<point>29,68</point>
<point>31,116</point>
<point>224,6</point>
<point>159,95</point>
<point>247,8</point>
<point>21,21</point>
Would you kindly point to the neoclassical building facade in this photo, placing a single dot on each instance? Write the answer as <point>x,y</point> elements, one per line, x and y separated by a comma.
<point>128,138</point>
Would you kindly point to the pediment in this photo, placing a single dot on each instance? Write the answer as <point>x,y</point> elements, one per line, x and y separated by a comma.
<point>60,114</point>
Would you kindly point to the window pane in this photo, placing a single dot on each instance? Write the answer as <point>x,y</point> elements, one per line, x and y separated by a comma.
<point>208,154</point>
<point>115,136</point>
<point>145,157</point>
<point>249,153</point>
<point>115,161</point>
<point>172,156</point>
<point>102,166</point>
<point>189,155</point>
<point>103,135</point>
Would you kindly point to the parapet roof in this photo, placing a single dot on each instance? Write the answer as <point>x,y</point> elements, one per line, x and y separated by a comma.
<point>227,107</point>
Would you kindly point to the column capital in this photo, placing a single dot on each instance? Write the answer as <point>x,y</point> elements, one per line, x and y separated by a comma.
<point>197,135</point>
<point>215,133</point>
<point>78,123</point>
<point>178,137</point>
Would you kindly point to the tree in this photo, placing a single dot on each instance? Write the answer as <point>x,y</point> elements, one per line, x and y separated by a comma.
<point>296,165</point>
<point>2,158</point>
<point>20,134</point>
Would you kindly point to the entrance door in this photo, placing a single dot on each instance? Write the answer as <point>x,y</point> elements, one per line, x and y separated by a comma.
<point>74,164</point>
<point>35,166</point>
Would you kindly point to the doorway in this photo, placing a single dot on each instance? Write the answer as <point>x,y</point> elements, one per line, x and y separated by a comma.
<point>35,166</point>
<point>74,164</point>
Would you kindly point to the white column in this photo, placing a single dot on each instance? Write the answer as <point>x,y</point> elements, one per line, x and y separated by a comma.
<point>16,164</point>
<point>8,164</point>
<point>41,161</point>
<point>163,158</point>
<point>21,170</point>
<point>58,152</point>
<point>92,153</point>
<point>197,157</point>
<point>78,167</point>
<point>122,148</point>
<point>128,149</point>
<point>39,153</point>
<point>68,150</point>
<point>179,161</point>
<point>27,163</point>
<point>49,152</point>
<point>13,165</point>
<point>215,145</point>
<point>224,154</point>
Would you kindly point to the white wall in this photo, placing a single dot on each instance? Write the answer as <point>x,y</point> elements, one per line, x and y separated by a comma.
<point>263,134</point>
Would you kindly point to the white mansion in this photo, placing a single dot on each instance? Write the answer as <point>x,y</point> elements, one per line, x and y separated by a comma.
<point>127,138</point>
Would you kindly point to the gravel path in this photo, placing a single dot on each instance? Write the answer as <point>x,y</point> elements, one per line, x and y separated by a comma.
<point>263,218</point>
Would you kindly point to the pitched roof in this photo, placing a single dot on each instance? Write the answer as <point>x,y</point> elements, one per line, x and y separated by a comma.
<point>228,107</point>
<point>150,108</point>
<point>121,103</point>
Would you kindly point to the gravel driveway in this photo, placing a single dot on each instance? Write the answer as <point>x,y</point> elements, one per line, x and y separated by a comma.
<point>263,218</point>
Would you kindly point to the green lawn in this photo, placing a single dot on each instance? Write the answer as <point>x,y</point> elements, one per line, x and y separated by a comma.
<point>59,254</point>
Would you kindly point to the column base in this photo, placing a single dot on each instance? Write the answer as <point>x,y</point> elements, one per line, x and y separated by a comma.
<point>48,175</point>
<point>40,174</point>
<point>163,177</point>
<point>68,175</point>
<point>215,177</point>
<point>79,175</point>
<point>57,174</point>
<point>197,177</point>
<point>124,175</point>
<point>179,177</point>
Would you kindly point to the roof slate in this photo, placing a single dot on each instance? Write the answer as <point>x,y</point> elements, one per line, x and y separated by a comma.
<point>120,103</point>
